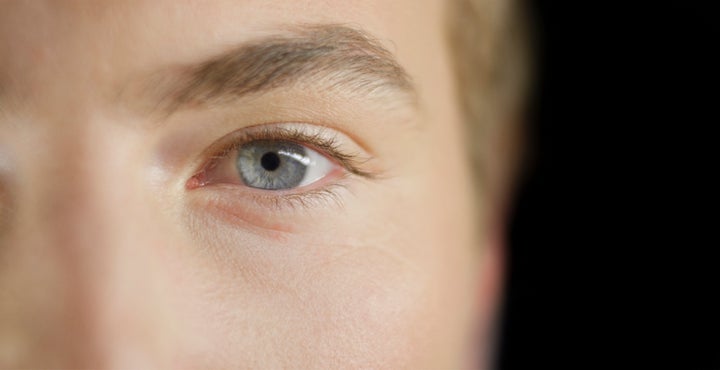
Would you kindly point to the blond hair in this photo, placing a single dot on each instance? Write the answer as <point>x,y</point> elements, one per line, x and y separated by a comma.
<point>490,49</point>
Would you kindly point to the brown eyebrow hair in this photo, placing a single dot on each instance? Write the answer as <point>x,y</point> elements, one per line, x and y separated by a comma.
<point>336,56</point>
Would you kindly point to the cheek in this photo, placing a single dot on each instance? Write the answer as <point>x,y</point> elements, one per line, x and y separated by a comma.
<point>329,305</point>
<point>370,288</point>
<point>383,280</point>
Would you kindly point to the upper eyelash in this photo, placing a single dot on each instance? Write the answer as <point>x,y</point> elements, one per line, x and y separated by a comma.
<point>328,145</point>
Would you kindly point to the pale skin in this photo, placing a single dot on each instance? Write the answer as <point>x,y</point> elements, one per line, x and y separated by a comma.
<point>114,255</point>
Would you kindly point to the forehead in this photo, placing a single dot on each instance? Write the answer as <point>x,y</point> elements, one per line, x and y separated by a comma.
<point>100,44</point>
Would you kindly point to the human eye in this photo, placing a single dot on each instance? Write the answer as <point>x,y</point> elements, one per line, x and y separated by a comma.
<point>280,162</point>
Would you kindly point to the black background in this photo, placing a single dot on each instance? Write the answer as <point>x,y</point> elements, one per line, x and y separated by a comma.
<point>612,260</point>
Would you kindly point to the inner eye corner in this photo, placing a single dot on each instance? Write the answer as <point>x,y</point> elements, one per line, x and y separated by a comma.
<point>195,181</point>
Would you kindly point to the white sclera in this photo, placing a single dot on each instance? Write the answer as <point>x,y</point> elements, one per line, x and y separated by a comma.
<point>318,166</point>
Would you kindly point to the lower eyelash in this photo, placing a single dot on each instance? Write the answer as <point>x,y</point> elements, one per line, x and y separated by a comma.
<point>281,208</point>
<point>329,194</point>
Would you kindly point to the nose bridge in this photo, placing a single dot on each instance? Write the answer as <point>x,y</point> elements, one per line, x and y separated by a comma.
<point>77,207</point>
<point>83,216</point>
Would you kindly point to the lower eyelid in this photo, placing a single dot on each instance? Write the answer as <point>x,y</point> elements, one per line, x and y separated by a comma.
<point>238,214</point>
<point>285,212</point>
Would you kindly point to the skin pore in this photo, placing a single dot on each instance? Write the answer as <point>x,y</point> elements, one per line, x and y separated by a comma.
<point>128,241</point>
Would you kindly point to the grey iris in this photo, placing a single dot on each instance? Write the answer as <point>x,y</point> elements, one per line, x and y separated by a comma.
<point>272,164</point>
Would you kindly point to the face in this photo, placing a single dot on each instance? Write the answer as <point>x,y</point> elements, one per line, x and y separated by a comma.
<point>235,184</point>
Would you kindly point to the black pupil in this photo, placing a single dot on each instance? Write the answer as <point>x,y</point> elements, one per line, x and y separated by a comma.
<point>270,161</point>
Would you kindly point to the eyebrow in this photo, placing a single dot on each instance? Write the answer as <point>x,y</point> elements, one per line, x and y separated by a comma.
<point>331,57</point>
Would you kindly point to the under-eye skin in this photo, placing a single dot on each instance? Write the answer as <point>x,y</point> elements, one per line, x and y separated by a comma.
<point>281,163</point>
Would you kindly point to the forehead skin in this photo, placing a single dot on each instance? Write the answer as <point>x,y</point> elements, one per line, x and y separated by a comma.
<point>111,42</point>
<point>106,261</point>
